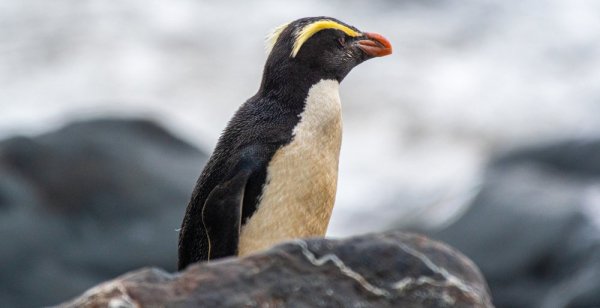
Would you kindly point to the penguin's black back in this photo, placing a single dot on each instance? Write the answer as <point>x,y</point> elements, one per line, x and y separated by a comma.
<point>261,126</point>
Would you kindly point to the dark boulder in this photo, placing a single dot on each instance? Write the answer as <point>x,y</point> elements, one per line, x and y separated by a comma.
<point>533,228</point>
<point>88,202</point>
<point>381,270</point>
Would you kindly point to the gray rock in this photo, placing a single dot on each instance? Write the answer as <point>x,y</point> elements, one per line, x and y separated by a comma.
<point>533,227</point>
<point>382,270</point>
<point>88,202</point>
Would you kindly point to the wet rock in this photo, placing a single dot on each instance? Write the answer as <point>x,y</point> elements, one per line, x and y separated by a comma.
<point>88,202</point>
<point>533,228</point>
<point>382,270</point>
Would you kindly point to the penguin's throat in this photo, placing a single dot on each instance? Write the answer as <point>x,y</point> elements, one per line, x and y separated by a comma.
<point>299,193</point>
<point>290,82</point>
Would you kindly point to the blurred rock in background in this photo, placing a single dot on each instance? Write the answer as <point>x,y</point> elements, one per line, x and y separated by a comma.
<point>87,203</point>
<point>95,199</point>
<point>533,229</point>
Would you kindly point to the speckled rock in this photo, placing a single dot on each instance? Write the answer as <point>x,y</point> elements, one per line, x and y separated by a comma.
<point>381,270</point>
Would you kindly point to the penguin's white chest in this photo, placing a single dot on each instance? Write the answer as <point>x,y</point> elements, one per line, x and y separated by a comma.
<point>299,192</point>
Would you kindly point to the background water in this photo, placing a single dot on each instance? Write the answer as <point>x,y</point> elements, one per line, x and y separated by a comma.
<point>466,79</point>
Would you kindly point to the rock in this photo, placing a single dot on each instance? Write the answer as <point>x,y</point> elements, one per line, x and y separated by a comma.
<point>88,202</point>
<point>533,228</point>
<point>382,270</point>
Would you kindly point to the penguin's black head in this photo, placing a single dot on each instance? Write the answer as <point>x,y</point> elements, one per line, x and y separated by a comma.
<point>322,46</point>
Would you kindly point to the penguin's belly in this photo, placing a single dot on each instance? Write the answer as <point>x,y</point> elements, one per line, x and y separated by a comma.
<point>299,192</point>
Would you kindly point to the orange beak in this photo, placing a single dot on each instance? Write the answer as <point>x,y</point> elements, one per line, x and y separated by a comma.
<point>375,45</point>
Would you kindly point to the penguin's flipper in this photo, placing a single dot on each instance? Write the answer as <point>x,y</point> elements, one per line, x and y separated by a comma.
<point>222,215</point>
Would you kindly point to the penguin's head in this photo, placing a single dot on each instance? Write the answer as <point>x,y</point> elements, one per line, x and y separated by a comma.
<point>323,45</point>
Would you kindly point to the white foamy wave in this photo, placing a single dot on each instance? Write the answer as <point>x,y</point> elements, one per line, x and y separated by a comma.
<point>464,79</point>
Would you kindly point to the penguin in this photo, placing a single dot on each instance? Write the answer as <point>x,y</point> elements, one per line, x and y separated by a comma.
<point>272,176</point>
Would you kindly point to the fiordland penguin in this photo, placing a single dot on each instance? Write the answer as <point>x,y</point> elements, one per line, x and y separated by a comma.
<point>273,174</point>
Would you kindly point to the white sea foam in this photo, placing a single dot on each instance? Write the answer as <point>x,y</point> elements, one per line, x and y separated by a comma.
<point>465,79</point>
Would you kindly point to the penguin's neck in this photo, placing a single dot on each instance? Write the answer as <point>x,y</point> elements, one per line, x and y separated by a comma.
<point>299,192</point>
<point>289,82</point>
<point>322,115</point>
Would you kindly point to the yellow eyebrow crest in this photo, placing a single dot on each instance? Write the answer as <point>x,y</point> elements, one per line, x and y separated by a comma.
<point>309,30</point>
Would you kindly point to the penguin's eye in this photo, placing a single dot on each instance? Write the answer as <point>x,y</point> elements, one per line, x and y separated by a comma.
<point>342,41</point>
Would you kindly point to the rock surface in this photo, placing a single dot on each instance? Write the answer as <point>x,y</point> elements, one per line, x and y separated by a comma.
<point>382,270</point>
<point>89,202</point>
<point>534,230</point>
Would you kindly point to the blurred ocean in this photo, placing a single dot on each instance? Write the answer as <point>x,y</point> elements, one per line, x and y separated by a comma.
<point>466,79</point>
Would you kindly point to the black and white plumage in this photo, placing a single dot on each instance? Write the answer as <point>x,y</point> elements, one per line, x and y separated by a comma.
<point>273,174</point>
